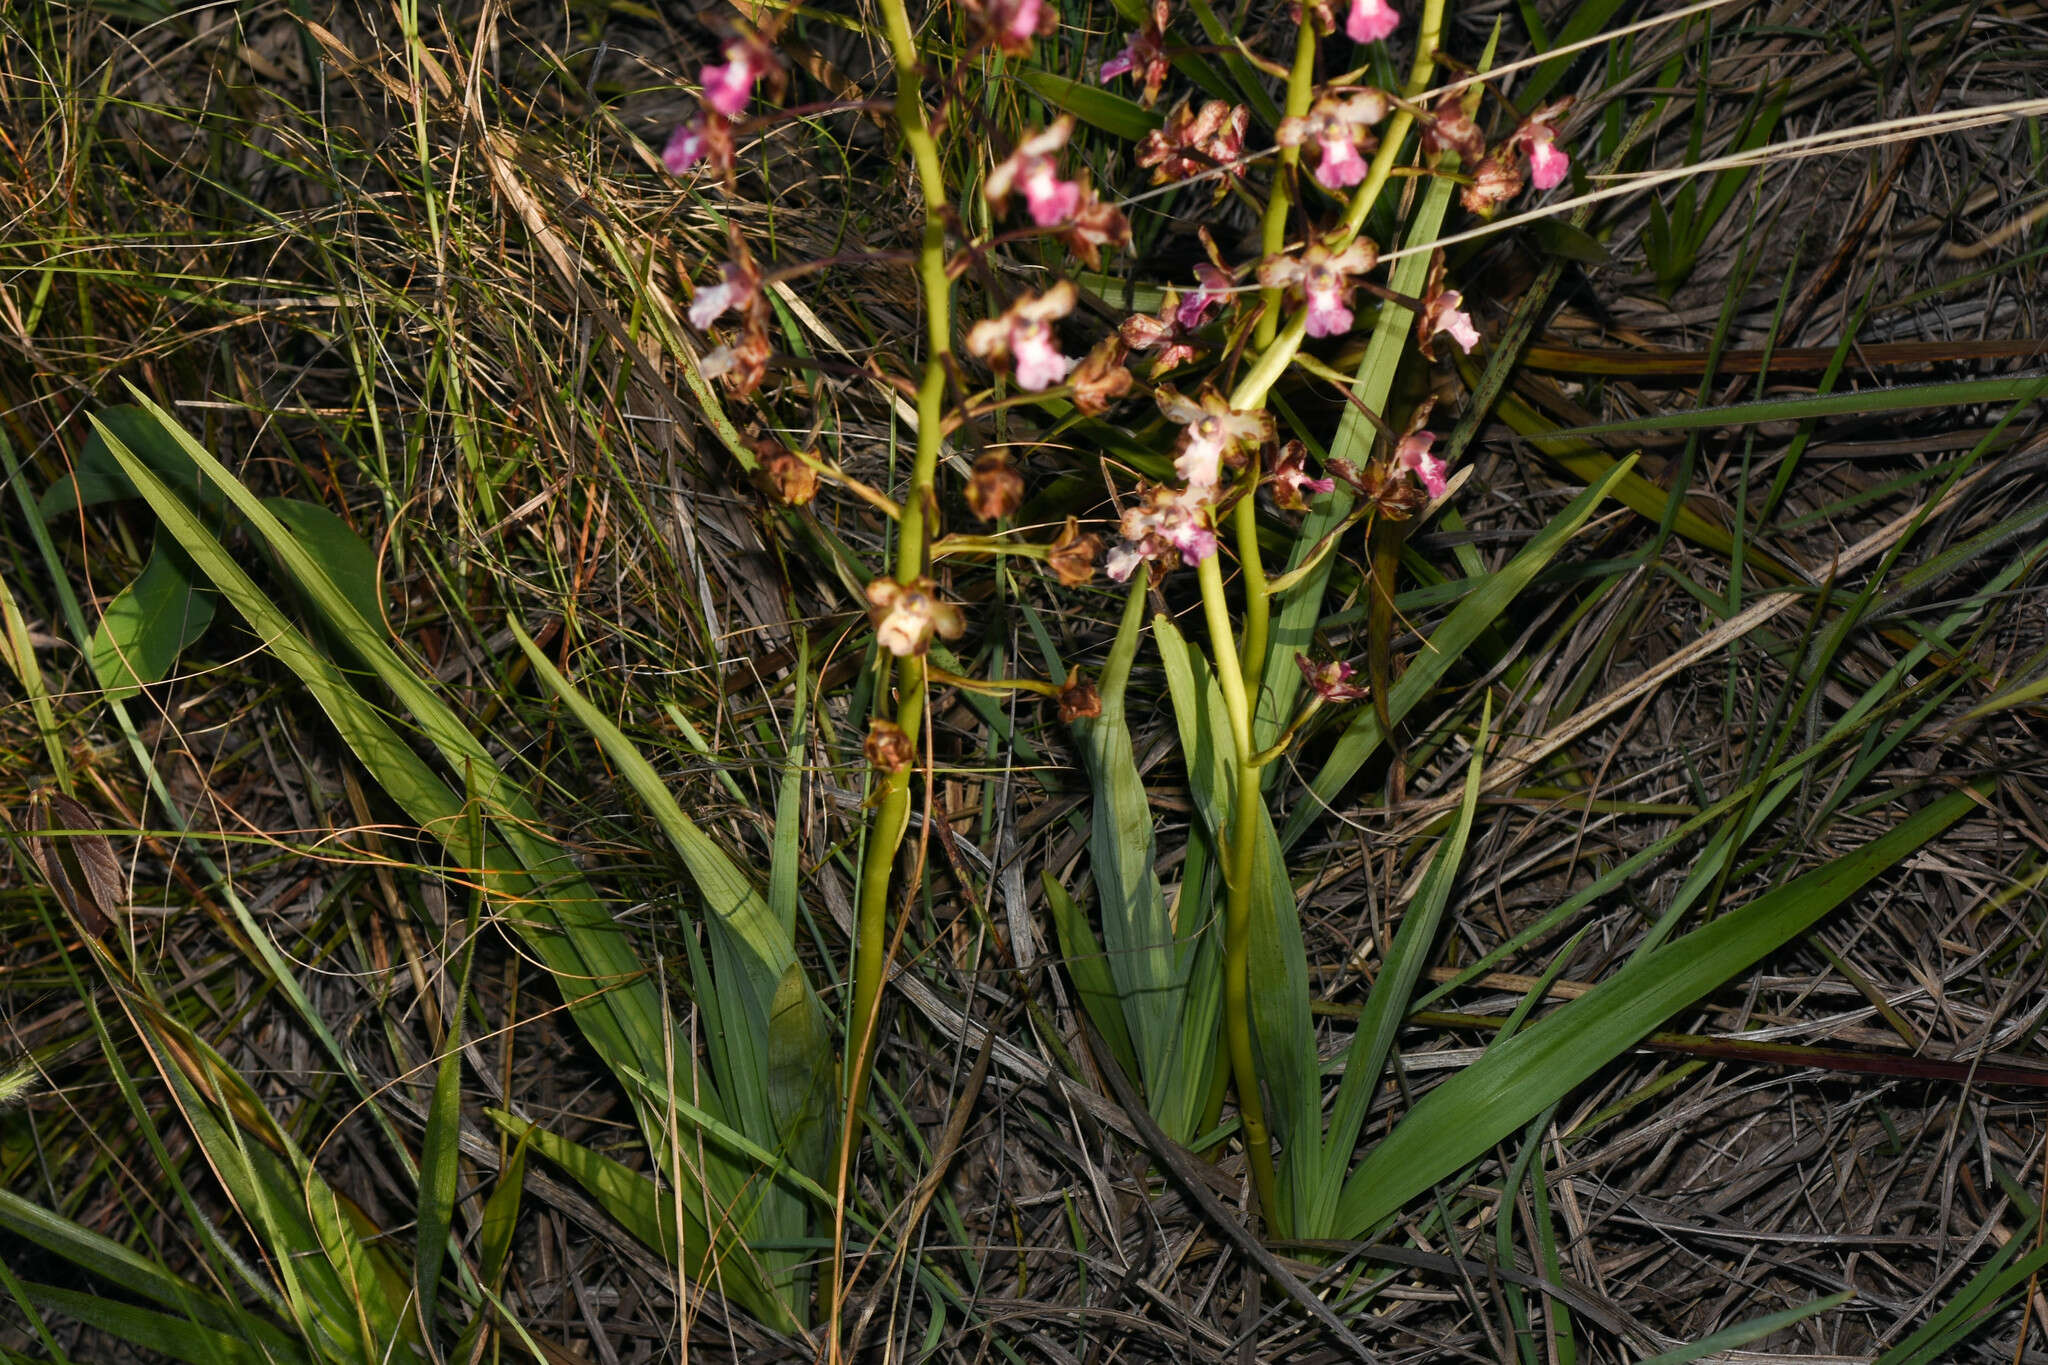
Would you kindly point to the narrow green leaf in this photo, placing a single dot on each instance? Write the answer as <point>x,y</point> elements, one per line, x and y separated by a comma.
<point>1861,403</point>
<point>178,1338</point>
<point>1387,1003</point>
<point>1520,1076</point>
<point>1743,1333</point>
<point>439,1149</point>
<point>1089,971</point>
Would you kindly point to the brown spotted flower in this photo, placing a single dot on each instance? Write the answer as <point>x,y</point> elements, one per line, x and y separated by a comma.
<point>1144,56</point>
<point>1290,478</point>
<point>907,615</point>
<point>1451,129</point>
<point>1443,312</point>
<point>1331,682</point>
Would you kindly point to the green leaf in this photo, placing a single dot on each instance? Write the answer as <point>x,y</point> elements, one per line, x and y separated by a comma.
<point>439,1149</point>
<point>1090,972</point>
<point>1387,1003</point>
<point>99,477</point>
<point>178,1338</point>
<point>149,623</point>
<point>1861,403</point>
<point>1091,104</point>
<point>1743,1333</point>
<point>332,544</point>
<point>1520,1076</point>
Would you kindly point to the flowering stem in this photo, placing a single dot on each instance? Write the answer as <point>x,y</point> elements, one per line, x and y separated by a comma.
<point>1237,914</point>
<point>892,807</point>
<point>1258,610</point>
<point>1300,90</point>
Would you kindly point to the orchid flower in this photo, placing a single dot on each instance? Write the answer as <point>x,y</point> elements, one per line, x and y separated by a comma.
<point>1032,171</point>
<point>1023,336</point>
<point>907,615</point>
<point>1341,130</point>
<point>1215,431</point>
<point>1324,278</point>
<point>1371,20</point>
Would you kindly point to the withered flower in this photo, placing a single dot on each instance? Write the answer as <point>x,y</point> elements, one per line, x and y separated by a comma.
<point>888,748</point>
<point>1072,555</point>
<point>1100,379</point>
<point>1191,142</point>
<point>994,489</point>
<point>1078,698</point>
<point>789,479</point>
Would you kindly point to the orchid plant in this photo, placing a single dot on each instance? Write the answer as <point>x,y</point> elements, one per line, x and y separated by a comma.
<point>1316,173</point>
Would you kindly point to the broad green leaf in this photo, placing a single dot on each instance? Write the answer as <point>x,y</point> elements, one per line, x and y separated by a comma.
<point>149,623</point>
<point>332,544</point>
<point>1520,1076</point>
<point>99,477</point>
<point>1470,619</point>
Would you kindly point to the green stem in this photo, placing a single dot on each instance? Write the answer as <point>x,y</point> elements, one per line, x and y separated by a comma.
<point>1273,236</point>
<point>1258,602</point>
<point>892,807</point>
<point>1237,915</point>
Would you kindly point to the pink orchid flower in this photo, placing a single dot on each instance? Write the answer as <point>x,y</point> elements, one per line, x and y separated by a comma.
<point>1324,278</point>
<point>727,88</point>
<point>1290,478</point>
<point>1341,130</point>
<point>1032,171</point>
<point>1215,430</point>
<point>1371,20</point>
<point>735,291</point>
<point>1023,336</point>
<point>1331,682</point>
<point>1160,525</point>
<point>686,147</point>
<point>1412,454</point>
